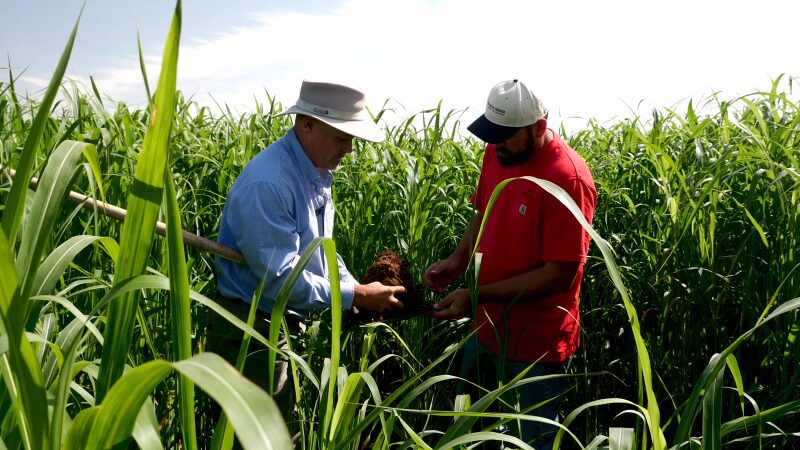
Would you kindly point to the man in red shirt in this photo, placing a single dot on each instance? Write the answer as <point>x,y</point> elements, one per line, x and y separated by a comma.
<point>533,251</point>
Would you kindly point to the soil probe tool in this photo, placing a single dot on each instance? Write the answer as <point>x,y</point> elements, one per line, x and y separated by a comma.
<point>415,308</point>
<point>118,213</point>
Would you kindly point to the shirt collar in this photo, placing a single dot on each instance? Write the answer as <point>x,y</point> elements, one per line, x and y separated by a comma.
<point>307,168</point>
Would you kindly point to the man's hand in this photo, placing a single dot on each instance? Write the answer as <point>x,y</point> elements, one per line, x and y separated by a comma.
<point>455,306</point>
<point>441,274</point>
<point>377,297</point>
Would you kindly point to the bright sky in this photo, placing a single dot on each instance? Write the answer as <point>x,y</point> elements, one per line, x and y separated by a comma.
<point>585,58</point>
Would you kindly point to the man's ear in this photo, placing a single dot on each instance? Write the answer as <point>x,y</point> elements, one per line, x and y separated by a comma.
<point>541,127</point>
<point>306,123</point>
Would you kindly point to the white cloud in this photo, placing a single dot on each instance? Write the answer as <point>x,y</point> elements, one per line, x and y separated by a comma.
<point>36,82</point>
<point>585,58</point>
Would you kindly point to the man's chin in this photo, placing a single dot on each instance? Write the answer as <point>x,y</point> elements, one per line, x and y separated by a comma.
<point>508,162</point>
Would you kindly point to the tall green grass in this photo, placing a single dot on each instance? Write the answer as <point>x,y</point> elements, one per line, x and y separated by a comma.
<point>701,211</point>
<point>118,409</point>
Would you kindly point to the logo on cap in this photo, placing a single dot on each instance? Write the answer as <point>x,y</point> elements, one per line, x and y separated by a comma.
<point>523,209</point>
<point>495,109</point>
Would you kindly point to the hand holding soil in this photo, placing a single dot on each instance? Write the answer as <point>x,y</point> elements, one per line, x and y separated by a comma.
<point>391,270</point>
<point>442,274</point>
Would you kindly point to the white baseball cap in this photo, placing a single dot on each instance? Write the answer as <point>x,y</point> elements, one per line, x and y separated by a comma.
<point>511,106</point>
<point>339,106</point>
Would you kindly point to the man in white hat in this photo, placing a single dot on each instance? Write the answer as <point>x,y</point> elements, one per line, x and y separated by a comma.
<point>282,201</point>
<point>533,252</point>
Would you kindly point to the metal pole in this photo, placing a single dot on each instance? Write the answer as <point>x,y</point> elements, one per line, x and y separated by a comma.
<point>118,213</point>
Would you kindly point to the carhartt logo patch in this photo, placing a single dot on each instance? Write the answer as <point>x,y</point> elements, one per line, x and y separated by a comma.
<point>523,209</point>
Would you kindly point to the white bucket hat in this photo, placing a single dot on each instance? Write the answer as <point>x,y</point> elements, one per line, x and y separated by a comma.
<point>339,106</point>
<point>511,106</point>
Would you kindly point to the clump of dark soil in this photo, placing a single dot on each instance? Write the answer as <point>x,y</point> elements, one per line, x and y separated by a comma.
<point>392,270</point>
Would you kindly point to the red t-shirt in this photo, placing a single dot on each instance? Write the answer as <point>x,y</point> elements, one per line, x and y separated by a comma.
<point>526,227</point>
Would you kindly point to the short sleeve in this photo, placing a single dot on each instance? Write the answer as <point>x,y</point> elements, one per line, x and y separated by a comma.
<point>570,241</point>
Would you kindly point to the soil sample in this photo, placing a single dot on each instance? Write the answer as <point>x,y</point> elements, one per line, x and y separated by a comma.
<point>392,270</point>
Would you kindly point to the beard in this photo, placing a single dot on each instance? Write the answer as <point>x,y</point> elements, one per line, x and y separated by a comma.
<point>510,158</point>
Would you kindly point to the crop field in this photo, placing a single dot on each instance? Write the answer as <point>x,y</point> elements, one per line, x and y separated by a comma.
<point>689,301</point>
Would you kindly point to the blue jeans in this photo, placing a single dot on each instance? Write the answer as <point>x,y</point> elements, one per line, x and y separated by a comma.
<point>486,369</point>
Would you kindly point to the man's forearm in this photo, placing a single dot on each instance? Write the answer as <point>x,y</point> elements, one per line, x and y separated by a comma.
<point>549,279</point>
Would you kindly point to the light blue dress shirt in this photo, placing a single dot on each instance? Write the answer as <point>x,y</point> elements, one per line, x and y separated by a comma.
<point>276,207</point>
